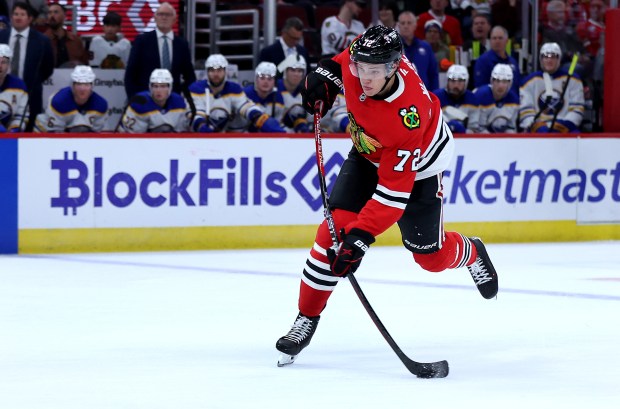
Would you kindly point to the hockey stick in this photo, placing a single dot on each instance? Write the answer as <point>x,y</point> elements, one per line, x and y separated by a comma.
<point>571,70</point>
<point>420,369</point>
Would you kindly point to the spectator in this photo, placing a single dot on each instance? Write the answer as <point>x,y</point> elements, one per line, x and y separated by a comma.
<point>479,42</point>
<point>13,96</point>
<point>293,70</point>
<point>264,92</point>
<point>551,100</point>
<point>434,37</point>
<point>68,48</point>
<point>110,50</point>
<point>159,48</point>
<point>222,106</point>
<point>76,108</point>
<point>337,32</point>
<point>557,31</point>
<point>460,107</point>
<point>591,31</point>
<point>496,55</point>
<point>288,43</point>
<point>419,52</point>
<point>450,24</point>
<point>499,104</point>
<point>32,55</point>
<point>158,110</point>
<point>388,14</point>
<point>5,22</point>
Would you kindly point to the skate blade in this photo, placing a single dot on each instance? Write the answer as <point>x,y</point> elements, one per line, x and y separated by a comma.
<point>286,359</point>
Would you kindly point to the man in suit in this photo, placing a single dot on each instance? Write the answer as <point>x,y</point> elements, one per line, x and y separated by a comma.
<point>159,48</point>
<point>32,55</point>
<point>287,44</point>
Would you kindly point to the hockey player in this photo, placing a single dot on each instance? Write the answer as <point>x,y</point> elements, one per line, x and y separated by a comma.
<point>222,106</point>
<point>399,138</point>
<point>293,69</point>
<point>338,31</point>
<point>76,108</point>
<point>158,110</point>
<point>264,92</point>
<point>337,120</point>
<point>110,50</point>
<point>460,107</point>
<point>13,96</point>
<point>499,104</point>
<point>551,99</point>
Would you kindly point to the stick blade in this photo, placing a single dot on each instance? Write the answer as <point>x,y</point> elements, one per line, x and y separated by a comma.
<point>430,370</point>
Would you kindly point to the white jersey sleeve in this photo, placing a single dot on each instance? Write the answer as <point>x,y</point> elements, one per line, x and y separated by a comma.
<point>336,36</point>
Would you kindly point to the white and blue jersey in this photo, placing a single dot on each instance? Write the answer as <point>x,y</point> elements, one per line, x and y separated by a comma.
<point>462,114</point>
<point>230,110</point>
<point>272,105</point>
<point>497,116</point>
<point>295,118</point>
<point>63,114</point>
<point>13,104</point>
<point>541,105</point>
<point>144,115</point>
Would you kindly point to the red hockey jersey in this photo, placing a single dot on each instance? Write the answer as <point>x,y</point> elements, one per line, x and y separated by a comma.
<point>404,135</point>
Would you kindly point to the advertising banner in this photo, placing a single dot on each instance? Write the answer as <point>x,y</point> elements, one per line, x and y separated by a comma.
<point>165,182</point>
<point>137,15</point>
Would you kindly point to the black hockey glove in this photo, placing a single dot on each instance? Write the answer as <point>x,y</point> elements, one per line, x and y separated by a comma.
<point>350,252</point>
<point>322,85</point>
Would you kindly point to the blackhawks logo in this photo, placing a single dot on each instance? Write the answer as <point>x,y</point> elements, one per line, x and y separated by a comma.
<point>363,143</point>
<point>411,118</point>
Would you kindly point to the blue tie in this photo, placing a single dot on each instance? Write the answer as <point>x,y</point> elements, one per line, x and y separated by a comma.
<point>165,58</point>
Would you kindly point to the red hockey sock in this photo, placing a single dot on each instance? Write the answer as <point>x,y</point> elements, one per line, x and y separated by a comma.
<point>318,282</point>
<point>456,251</point>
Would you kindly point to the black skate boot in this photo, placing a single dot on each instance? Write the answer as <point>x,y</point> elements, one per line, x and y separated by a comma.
<point>482,271</point>
<point>297,338</point>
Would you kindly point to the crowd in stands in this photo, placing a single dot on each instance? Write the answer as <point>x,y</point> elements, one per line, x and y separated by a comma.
<point>486,90</point>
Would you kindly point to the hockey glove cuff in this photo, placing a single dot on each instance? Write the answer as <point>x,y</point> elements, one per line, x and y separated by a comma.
<point>564,126</point>
<point>322,85</point>
<point>349,255</point>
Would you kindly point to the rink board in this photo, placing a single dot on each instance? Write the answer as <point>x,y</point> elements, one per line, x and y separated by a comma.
<point>156,192</point>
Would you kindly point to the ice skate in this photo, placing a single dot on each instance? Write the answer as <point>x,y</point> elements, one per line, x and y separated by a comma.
<point>482,271</point>
<point>297,339</point>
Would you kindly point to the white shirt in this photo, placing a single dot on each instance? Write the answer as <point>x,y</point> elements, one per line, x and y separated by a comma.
<point>160,45</point>
<point>287,50</point>
<point>23,45</point>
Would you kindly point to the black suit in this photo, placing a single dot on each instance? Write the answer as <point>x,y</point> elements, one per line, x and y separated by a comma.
<point>144,58</point>
<point>38,67</point>
<point>275,54</point>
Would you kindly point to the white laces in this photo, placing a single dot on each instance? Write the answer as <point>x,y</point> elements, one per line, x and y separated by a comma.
<point>300,329</point>
<point>479,272</point>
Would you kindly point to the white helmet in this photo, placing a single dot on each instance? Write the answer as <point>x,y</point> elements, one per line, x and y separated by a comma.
<point>5,51</point>
<point>216,61</point>
<point>295,61</point>
<point>458,72</point>
<point>502,72</point>
<point>83,74</point>
<point>161,76</point>
<point>265,68</point>
<point>551,48</point>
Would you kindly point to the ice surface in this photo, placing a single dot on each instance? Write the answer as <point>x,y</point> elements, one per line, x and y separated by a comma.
<point>197,330</point>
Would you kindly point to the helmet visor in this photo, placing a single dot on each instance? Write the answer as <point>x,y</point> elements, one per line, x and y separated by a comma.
<point>367,71</point>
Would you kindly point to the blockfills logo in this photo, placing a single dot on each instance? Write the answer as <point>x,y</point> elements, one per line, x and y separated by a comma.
<point>306,181</point>
<point>230,182</point>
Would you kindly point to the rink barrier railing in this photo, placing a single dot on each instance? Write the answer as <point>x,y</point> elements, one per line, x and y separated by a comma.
<point>104,239</point>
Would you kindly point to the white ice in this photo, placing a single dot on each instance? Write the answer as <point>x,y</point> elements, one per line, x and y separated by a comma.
<point>188,330</point>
